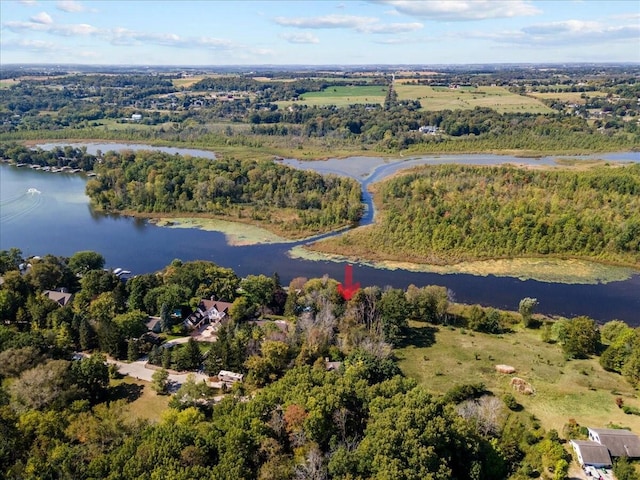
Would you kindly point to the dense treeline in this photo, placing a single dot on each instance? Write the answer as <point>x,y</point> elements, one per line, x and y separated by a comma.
<point>153,182</point>
<point>449,213</point>
<point>60,418</point>
<point>58,156</point>
<point>60,106</point>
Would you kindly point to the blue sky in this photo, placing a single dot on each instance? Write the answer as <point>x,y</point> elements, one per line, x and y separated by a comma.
<point>347,32</point>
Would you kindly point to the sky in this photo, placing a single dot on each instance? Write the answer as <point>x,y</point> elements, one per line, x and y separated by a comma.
<point>325,32</point>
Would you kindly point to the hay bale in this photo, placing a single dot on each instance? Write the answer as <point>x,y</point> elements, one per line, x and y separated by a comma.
<point>505,369</point>
<point>522,386</point>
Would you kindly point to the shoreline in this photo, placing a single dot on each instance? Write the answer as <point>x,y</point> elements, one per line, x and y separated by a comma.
<point>549,270</point>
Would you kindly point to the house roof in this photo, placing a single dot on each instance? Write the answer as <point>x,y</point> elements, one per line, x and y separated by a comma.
<point>63,298</point>
<point>219,306</point>
<point>621,443</point>
<point>152,322</point>
<point>592,453</point>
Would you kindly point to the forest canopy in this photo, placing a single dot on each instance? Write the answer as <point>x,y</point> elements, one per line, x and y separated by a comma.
<point>450,213</point>
<point>288,200</point>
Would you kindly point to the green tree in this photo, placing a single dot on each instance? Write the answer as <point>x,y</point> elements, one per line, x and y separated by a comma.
<point>189,356</point>
<point>132,350</point>
<point>160,381</point>
<point>526,308</point>
<point>92,376</point>
<point>82,262</point>
<point>583,338</point>
<point>394,312</point>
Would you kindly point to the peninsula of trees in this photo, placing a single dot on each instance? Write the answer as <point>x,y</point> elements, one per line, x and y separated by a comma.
<point>450,213</point>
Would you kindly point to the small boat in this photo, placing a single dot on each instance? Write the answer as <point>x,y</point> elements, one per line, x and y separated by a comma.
<point>33,191</point>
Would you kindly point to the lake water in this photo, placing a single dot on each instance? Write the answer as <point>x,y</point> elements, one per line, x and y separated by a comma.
<point>58,220</point>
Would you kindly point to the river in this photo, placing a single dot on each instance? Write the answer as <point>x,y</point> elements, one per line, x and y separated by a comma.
<point>58,220</point>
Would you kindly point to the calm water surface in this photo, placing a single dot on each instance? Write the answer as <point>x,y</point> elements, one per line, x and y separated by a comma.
<point>59,220</point>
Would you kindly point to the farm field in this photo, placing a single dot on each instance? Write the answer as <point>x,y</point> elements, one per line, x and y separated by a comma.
<point>431,98</point>
<point>440,357</point>
<point>343,96</point>
<point>572,97</point>
<point>443,98</point>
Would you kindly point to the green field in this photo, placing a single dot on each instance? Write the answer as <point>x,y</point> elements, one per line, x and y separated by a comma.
<point>440,357</point>
<point>496,98</point>
<point>343,96</point>
<point>431,98</point>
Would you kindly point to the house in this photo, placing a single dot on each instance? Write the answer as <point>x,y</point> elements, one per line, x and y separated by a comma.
<point>229,378</point>
<point>428,129</point>
<point>136,117</point>
<point>591,453</point>
<point>620,443</point>
<point>61,297</point>
<point>154,325</point>
<point>208,311</point>
<point>332,366</point>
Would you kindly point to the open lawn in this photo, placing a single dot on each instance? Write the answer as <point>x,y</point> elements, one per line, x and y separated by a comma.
<point>440,357</point>
<point>186,82</point>
<point>143,402</point>
<point>571,97</point>
<point>8,82</point>
<point>496,98</point>
<point>343,96</point>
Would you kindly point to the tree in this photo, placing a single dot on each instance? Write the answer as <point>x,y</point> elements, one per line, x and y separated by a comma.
<point>258,289</point>
<point>583,338</point>
<point>394,310</point>
<point>82,262</point>
<point>165,318</point>
<point>189,356</point>
<point>526,307</point>
<point>48,385</point>
<point>132,350</point>
<point>92,376</point>
<point>10,259</point>
<point>160,381</point>
<point>131,324</point>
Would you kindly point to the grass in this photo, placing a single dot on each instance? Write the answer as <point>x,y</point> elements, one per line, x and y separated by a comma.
<point>143,402</point>
<point>236,233</point>
<point>496,98</point>
<point>431,98</point>
<point>343,96</point>
<point>548,269</point>
<point>442,357</point>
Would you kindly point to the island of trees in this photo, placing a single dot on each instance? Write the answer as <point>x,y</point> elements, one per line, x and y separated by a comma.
<point>325,397</point>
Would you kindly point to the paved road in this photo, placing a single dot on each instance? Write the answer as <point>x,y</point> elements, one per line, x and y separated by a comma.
<point>139,371</point>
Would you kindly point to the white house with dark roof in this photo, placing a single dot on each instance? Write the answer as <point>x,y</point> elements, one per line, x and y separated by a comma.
<point>208,311</point>
<point>591,453</point>
<point>620,443</point>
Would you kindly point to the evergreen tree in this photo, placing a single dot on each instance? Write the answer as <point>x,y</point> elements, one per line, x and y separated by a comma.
<point>166,357</point>
<point>87,335</point>
<point>165,318</point>
<point>132,350</point>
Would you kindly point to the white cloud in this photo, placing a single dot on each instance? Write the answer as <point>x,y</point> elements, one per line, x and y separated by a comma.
<point>392,28</point>
<point>29,3</point>
<point>327,21</point>
<point>300,37</point>
<point>32,45</point>
<point>349,22</point>
<point>70,6</point>
<point>565,33</point>
<point>462,10</point>
<point>43,18</point>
